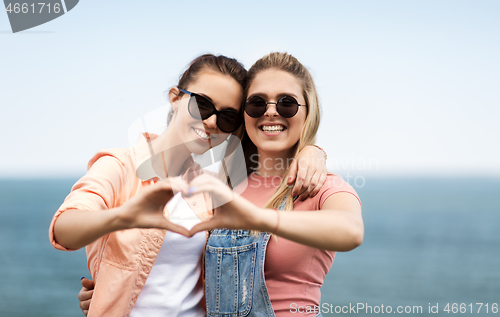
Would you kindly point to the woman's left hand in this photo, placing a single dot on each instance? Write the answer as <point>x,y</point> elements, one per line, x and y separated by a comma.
<point>308,170</point>
<point>85,295</point>
<point>230,211</point>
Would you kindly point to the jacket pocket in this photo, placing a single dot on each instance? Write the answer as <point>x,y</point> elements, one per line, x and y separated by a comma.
<point>229,279</point>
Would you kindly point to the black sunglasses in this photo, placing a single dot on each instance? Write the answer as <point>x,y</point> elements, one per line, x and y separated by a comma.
<point>201,108</point>
<point>287,106</point>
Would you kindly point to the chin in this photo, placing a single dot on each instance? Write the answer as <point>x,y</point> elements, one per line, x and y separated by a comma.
<point>272,148</point>
<point>198,149</point>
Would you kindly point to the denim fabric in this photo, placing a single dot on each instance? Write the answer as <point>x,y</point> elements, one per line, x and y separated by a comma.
<point>234,273</point>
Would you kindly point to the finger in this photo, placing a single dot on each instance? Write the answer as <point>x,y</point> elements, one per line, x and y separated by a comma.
<point>306,188</point>
<point>170,226</point>
<point>310,183</point>
<point>313,183</point>
<point>292,172</point>
<point>216,188</point>
<point>86,283</point>
<point>168,189</point>
<point>85,312</point>
<point>178,184</point>
<point>203,179</point>
<point>85,305</point>
<point>200,187</point>
<point>297,188</point>
<point>305,193</point>
<point>321,182</point>
<point>169,186</point>
<point>158,193</point>
<point>194,184</point>
<point>299,181</point>
<point>85,294</point>
<point>206,225</point>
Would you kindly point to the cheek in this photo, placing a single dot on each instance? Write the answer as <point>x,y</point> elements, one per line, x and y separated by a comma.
<point>249,123</point>
<point>247,119</point>
<point>184,118</point>
<point>298,126</point>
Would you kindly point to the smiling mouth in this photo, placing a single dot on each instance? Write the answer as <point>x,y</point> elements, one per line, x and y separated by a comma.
<point>277,128</point>
<point>202,134</point>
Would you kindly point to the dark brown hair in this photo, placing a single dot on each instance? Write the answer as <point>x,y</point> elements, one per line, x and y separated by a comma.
<point>220,63</point>
<point>230,67</point>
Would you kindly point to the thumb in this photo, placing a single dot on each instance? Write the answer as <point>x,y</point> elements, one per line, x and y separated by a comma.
<point>292,172</point>
<point>202,226</point>
<point>88,284</point>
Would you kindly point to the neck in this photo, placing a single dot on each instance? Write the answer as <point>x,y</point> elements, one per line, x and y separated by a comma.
<point>170,154</point>
<point>272,163</point>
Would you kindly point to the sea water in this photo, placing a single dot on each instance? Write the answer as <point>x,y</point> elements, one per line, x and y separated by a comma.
<point>428,243</point>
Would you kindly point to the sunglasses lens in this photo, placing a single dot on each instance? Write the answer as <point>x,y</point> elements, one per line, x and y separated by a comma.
<point>228,121</point>
<point>200,107</point>
<point>255,106</point>
<point>287,107</point>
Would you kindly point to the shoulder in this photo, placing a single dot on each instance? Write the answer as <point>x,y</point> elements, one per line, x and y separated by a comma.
<point>112,168</point>
<point>109,181</point>
<point>334,181</point>
<point>334,184</point>
<point>120,155</point>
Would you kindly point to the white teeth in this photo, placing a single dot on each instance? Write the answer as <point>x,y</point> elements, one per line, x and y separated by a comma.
<point>272,128</point>
<point>202,134</point>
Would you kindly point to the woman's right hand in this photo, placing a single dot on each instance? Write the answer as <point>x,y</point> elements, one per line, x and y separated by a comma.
<point>76,228</point>
<point>85,295</point>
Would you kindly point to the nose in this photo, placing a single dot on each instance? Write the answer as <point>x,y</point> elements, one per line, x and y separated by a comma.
<point>211,122</point>
<point>271,110</point>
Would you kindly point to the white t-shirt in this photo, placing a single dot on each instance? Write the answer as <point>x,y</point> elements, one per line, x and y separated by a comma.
<point>172,287</point>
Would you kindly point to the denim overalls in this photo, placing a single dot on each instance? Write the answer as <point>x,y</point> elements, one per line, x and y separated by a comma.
<point>234,273</point>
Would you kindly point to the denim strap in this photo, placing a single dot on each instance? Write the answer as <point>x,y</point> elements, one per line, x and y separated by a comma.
<point>234,273</point>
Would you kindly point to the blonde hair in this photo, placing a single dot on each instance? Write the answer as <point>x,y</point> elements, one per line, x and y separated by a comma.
<point>219,64</point>
<point>288,63</point>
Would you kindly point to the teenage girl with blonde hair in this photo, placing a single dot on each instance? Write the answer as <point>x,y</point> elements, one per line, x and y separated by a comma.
<point>246,272</point>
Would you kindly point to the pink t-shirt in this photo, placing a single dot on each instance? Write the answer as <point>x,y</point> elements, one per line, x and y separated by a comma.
<point>294,272</point>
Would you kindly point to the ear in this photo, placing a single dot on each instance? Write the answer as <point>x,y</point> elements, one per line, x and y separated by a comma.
<point>174,97</point>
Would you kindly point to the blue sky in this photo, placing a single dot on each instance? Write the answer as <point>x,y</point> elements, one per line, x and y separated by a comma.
<point>407,87</point>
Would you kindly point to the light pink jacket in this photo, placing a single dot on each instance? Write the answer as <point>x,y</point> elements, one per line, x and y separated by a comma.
<point>121,261</point>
